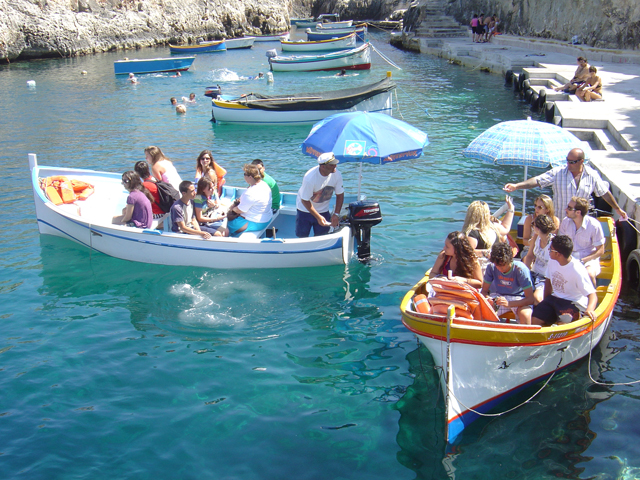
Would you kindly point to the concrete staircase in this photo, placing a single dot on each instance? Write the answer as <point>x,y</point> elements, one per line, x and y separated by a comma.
<point>438,25</point>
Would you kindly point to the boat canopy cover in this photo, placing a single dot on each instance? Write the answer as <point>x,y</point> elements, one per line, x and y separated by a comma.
<point>335,100</point>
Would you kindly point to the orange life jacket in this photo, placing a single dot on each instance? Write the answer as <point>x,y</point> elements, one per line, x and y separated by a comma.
<point>60,189</point>
<point>469,303</point>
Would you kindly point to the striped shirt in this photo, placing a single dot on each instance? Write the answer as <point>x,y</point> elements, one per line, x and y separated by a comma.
<point>564,185</point>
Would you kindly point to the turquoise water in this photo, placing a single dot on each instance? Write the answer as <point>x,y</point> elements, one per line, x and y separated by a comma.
<point>112,369</point>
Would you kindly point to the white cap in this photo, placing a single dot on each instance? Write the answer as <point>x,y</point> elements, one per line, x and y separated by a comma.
<point>327,159</point>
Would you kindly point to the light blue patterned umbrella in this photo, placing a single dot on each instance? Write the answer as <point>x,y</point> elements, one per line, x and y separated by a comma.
<point>527,143</point>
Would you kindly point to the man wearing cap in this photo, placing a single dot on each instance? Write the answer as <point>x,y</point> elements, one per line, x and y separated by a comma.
<point>318,185</point>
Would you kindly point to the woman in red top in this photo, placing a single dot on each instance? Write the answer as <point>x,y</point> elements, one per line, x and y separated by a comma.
<point>142,169</point>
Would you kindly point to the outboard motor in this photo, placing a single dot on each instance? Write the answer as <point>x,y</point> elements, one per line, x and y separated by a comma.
<point>362,216</point>
<point>213,92</point>
<point>271,53</point>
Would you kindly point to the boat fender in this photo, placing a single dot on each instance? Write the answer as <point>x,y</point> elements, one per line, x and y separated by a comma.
<point>534,102</point>
<point>521,78</point>
<point>527,95</point>
<point>633,270</point>
<point>516,83</point>
<point>549,111</point>
<point>508,78</point>
<point>627,239</point>
<point>526,84</point>
<point>271,53</point>
<point>269,77</point>
<point>543,97</point>
<point>422,304</point>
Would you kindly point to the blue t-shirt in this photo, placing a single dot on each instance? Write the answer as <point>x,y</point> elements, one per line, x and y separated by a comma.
<point>513,283</point>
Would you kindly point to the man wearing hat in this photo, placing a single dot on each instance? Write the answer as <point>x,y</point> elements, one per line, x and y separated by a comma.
<point>318,185</point>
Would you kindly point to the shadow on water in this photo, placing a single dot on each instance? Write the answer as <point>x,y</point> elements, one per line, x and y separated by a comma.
<point>548,438</point>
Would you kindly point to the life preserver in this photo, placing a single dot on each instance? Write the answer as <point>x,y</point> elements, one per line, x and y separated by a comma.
<point>451,292</point>
<point>422,304</point>
<point>60,189</point>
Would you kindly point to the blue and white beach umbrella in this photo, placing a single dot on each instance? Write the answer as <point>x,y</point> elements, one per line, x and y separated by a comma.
<point>365,137</point>
<point>526,143</point>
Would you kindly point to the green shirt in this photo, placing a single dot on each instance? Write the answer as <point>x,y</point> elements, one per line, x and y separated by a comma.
<point>275,191</point>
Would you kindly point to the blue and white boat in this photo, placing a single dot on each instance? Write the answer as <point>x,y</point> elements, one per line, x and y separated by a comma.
<point>202,47</point>
<point>88,222</point>
<point>272,38</point>
<point>152,65</point>
<point>340,43</point>
<point>315,35</point>
<point>354,59</point>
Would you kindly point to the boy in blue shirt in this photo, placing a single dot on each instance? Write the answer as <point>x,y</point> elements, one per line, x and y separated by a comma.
<point>510,281</point>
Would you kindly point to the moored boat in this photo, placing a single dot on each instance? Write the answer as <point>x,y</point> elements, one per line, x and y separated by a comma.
<point>302,108</point>
<point>202,47</point>
<point>271,38</point>
<point>88,222</point>
<point>332,25</point>
<point>340,43</point>
<point>315,34</point>
<point>152,65</point>
<point>297,21</point>
<point>485,361</point>
<point>242,42</point>
<point>355,59</point>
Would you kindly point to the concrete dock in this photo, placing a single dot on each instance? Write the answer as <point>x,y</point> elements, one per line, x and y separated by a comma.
<point>611,126</point>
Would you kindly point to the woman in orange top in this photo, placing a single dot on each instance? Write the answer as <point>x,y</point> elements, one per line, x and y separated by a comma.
<point>206,165</point>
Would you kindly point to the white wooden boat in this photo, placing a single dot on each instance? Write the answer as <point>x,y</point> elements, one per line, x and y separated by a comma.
<point>243,42</point>
<point>334,25</point>
<point>88,222</point>
<point>302,108</point>
<point>483,361</point>
<point>271,38</point>
<point>315,34</point>
<point>354,59</point>
<point>340,43</point>
<point>298,21</point>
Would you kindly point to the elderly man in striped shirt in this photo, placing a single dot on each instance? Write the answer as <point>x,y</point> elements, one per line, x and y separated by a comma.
<point>573,180</point>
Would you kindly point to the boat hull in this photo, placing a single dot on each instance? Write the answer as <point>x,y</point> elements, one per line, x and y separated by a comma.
<point>206,47</point>
<point>89,224</point>
<point>484,362</point>
<point>355,59</point>
<point>237,43</point>
<point>271,38</point>
<point>316,35</point>
<point>226,112</point>
<point>152,65</point>
<point>348,41</point>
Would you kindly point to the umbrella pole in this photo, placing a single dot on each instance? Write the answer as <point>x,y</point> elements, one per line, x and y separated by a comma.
<point>524,194</point>
<point>359,180</point>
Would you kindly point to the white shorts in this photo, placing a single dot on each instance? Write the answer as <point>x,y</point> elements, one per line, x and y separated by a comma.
<point>595,265</point>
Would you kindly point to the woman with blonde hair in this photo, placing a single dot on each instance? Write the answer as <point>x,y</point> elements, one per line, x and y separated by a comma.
<point>206,165</point>
<point>161,167</point>
<point>481,230</point>
<point>254,208</point>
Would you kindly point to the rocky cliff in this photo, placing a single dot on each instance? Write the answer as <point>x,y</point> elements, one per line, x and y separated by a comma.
<point>597,23</point>
<point>44,28</point>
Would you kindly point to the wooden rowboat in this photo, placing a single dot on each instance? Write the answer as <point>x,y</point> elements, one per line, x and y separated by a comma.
<point>354,59</point>
<point>484,362</point>
<point>202,47</point>
<point>341,43</point>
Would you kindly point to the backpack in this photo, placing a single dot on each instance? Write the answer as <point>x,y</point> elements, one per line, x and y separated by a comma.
<point>167,196</point>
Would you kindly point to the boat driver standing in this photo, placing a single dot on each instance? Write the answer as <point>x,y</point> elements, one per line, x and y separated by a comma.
<point>314,196</point>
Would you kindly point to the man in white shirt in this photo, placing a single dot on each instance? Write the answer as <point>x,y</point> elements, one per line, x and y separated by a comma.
<point>568,289</point>
<point>586,234</point>
<point>314,196</point>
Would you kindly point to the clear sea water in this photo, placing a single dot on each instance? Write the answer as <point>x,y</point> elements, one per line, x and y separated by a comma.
<point>111,369</point>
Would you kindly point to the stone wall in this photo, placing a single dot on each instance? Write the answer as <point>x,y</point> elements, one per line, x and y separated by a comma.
<point>45,28</point>
<point>597,23</point>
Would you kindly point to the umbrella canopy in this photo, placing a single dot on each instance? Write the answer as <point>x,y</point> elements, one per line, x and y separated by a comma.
<point>527,143</point>
<point>365,137</point>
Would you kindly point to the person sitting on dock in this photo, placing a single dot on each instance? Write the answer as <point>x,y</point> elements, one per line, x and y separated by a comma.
<point>137,212</point>
<point>579,77</point>
<point>592,88</point>
<point>586,234</point>
<point>458,261</point>
<point>574,179</point>
<point>314,196</point>
<point>183,219</point>
<point>568,291</point>
<point>510,281</point>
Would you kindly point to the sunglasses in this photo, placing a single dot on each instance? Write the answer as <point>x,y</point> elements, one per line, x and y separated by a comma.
<point>551,250</point>
<point>572,162</point>
<point>571,209</point>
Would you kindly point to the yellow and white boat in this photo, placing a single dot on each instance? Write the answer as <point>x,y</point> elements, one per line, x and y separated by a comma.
<point>484,361</point>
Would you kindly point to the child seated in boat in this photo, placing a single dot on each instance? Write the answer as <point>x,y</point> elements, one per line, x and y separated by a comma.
<point>510,282</point>
<point>538,256</point>
<point>569,292</point>
<point>458,259</point>
<point>205,206</point>
<point>137,212</point>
